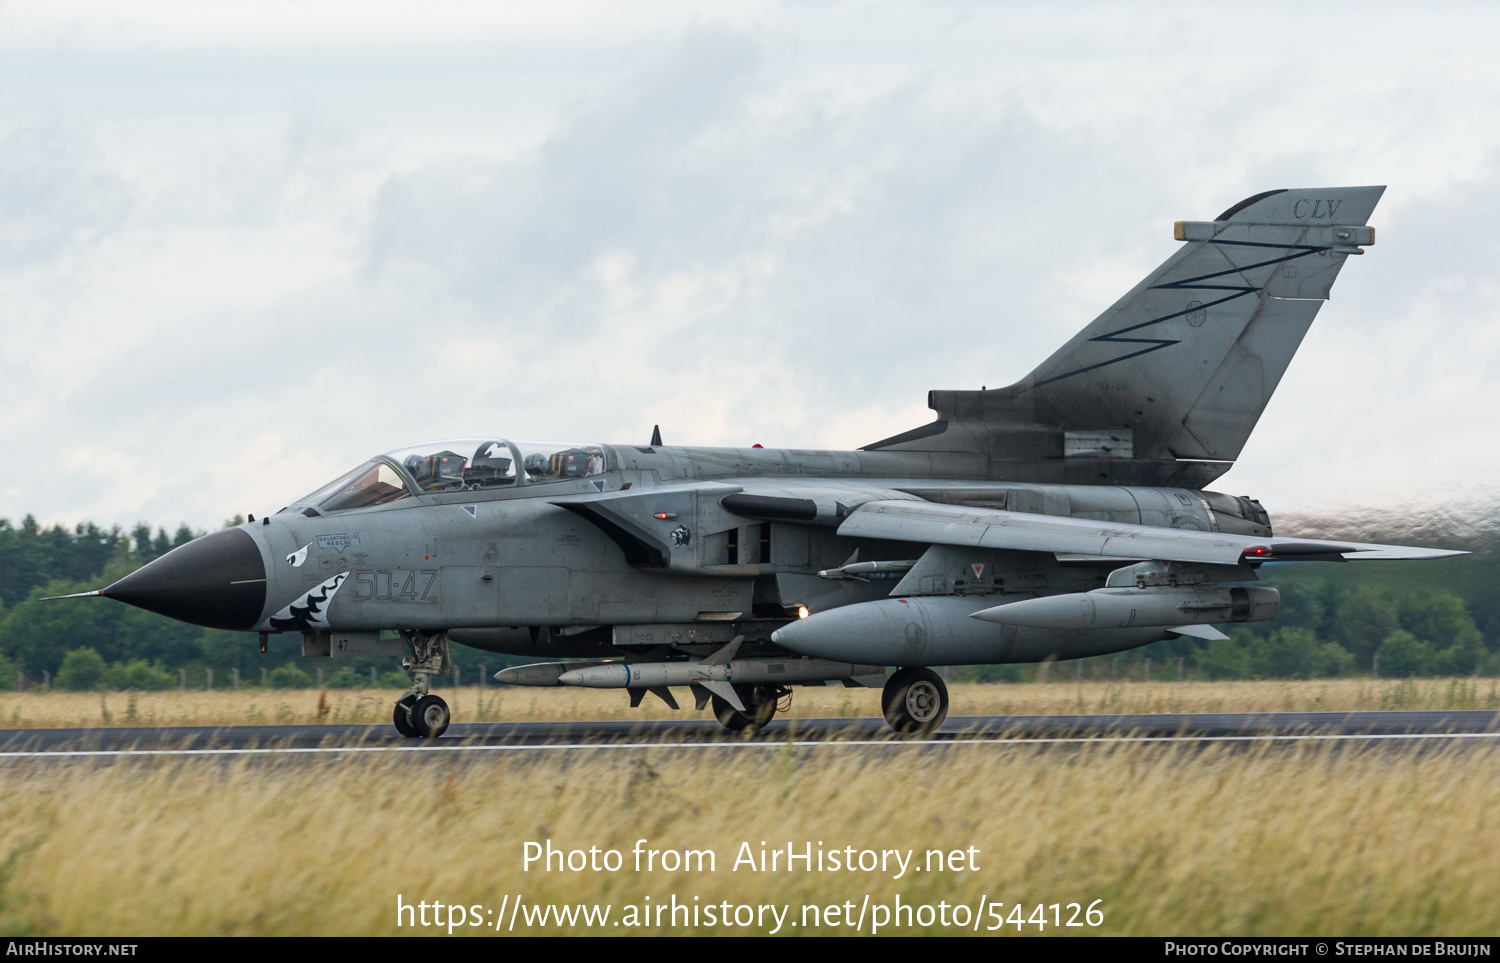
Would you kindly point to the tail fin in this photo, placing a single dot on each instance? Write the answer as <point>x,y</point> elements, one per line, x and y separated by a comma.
<point>1182,366</point>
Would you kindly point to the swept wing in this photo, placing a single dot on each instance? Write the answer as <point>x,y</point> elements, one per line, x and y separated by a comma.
<point>913,521</point>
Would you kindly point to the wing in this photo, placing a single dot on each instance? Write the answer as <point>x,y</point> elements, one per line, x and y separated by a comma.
<point>913,521</point>
<point>657,527</point>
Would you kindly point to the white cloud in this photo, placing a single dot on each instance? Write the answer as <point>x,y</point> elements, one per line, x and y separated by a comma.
<point>240,252</point>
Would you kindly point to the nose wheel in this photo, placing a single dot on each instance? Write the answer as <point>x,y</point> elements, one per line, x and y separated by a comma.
<point>419,714</point>
<point>915,701</point>
<point>422,717</point>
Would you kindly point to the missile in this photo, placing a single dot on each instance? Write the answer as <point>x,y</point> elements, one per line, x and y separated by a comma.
<point>719,673</point>
<point>538,673</point>
<point>645,675</point>
<point>1130,607</point>
<point>867,571</point>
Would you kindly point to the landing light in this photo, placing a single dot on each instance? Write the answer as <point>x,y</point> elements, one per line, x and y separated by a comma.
<point>802,612</point>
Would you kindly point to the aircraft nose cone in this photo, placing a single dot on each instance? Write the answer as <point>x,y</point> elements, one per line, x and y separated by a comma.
<point>217,581</point>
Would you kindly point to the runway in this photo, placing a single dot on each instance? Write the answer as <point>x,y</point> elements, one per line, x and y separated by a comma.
<point>1424,729</point>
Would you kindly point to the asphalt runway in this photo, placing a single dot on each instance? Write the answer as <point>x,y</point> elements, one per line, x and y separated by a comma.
<point>1387,729</point>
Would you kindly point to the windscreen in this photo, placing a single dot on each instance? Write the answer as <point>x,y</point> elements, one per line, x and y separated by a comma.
<point>373,483</point>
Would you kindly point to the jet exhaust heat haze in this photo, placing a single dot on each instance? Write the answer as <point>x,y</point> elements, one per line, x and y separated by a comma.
<point>1064,516</point>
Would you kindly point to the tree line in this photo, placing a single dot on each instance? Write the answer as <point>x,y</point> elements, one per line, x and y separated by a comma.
<point>1392,619</point>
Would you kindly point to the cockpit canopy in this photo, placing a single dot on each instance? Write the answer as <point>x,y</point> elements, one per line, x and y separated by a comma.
<point>465,464</point>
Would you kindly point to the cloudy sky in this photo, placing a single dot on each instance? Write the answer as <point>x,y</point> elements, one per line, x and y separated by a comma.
<point>242,246</point>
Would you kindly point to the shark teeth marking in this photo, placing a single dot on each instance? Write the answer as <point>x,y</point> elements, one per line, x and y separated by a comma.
<point>311,610</point>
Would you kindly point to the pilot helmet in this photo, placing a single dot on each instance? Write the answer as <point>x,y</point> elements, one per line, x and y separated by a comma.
<point>417,467</point>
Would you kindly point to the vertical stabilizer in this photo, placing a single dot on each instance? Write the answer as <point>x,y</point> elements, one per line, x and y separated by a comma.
<point>1182,366</point>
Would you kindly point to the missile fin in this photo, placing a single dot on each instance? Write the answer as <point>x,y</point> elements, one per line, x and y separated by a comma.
<point>665,695</point>
<point>726,654</point>
<point>724,691</point>
<point>636,695</point>
<point>700,696</point>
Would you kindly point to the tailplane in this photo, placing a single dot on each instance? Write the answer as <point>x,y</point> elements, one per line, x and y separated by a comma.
<point>1182,366</point>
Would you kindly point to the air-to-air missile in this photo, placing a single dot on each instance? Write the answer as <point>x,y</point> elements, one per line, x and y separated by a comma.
<point>644,675</point>
<point>719,673</point>
<point>1062,516</point>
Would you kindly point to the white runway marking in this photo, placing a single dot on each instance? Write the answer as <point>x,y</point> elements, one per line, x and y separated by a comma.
<point>810,744</point>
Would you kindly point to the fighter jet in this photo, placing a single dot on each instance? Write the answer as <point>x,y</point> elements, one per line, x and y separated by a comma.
<point>1064,516</point>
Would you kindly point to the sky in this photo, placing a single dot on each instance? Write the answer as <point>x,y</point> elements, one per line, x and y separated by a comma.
<point>243,246</point>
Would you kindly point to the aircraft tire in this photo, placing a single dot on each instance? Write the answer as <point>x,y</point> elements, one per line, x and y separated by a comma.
<point>915,701</point>
<point>402,716</point>
<point>430,717</point>
<point>736,721</point>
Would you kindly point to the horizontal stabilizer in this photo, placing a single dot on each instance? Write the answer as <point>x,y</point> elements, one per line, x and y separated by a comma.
<point>1205,632</point>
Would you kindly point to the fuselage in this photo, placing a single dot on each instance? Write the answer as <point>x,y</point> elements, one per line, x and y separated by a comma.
<point>512,565</point>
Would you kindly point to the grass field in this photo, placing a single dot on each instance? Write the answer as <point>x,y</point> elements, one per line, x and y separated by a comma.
<point>1172,840</point>
<point>308,706</point>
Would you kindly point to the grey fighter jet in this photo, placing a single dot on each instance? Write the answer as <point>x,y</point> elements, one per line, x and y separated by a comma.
<point>1064,516</point>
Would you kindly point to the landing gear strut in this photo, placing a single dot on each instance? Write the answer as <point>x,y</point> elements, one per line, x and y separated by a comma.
<point>760,700</point>
<point>915,701</point>
<point>418,713</point>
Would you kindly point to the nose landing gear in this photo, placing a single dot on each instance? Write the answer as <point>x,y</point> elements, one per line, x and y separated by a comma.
<point>418,713</point>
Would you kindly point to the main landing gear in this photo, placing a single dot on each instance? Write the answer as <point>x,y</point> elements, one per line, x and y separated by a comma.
<point>915,701</point>
<point>760,702</point>
<point>418,713</point>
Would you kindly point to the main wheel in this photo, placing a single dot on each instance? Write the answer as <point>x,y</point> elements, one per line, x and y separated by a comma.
<point>736,721</point>
<point>915,701</point>
<point>402,716</point>
<point>430,717</point>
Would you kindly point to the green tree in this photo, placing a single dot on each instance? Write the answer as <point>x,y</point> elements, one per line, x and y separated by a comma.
<point>348,678</point>
<point>1296,653</point>
<point>1227,658</point>
<point>1403,654</point>
<point>39,634</point>
<point>1365,618</point>
<point>81,669</point>
<point>139,674</point>
<point>32,556</point>
<point>288,677</point>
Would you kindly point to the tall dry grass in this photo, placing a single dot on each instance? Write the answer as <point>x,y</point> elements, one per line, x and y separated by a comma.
<point>1173,840</point>
<point>255,706</point>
